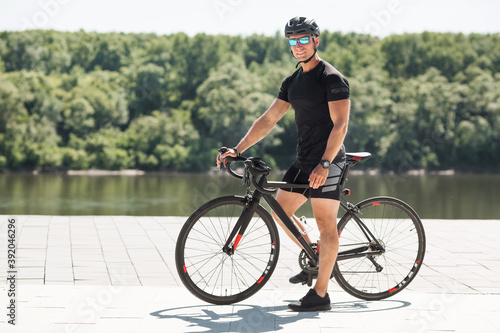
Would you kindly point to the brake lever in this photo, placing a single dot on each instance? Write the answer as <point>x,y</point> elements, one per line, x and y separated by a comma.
<point>246,179</point>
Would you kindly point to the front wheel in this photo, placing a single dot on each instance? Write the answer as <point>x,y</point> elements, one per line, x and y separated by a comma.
<point>400,243</point>
<point>214,274</point>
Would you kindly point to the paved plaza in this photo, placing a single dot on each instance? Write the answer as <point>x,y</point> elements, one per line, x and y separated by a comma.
<point>117,274</point>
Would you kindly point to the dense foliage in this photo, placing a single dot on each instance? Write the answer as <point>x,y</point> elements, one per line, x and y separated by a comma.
<point>114,101</point>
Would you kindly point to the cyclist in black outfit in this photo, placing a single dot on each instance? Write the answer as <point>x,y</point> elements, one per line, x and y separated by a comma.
<point>319,95</point>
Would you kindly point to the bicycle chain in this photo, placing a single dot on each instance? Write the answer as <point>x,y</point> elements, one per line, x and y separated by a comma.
<point>305,261</point>
<point>353,244</point>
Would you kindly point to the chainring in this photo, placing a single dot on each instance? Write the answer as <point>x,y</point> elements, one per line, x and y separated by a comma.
<point>305,262</point>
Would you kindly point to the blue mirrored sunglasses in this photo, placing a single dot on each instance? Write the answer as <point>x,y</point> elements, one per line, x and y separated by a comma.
<point>301,40</point>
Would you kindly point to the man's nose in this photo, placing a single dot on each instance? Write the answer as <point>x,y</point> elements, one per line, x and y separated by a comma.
<point>299,46</point>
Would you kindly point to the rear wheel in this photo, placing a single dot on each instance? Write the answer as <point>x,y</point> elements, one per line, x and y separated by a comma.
<point>399,232</point>
<point>225,277</point>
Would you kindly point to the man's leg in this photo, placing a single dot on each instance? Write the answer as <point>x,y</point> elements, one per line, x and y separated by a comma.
<point>317,299</point>
<point>290,202</point>
<point>325,212</point>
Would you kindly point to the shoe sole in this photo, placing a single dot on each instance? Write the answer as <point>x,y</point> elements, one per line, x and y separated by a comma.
<point>317,308</point>
<point>305,281</point>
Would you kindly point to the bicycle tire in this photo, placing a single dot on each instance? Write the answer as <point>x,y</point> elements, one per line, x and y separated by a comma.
<point>214,276</point>
<point>395,225</point>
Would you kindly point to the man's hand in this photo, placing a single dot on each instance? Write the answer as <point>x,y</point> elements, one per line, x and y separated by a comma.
<point>318,177</point>
<point>221,157</point>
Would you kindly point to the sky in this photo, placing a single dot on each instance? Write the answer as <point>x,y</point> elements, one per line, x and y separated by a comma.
<point>246,17</point>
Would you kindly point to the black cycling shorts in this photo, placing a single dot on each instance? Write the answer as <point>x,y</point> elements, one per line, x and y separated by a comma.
<point>300,175</point>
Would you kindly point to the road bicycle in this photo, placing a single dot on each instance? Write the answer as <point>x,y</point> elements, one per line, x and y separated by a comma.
<point>229,247</point>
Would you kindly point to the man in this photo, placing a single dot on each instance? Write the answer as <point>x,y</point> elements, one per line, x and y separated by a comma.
<point>319,95</point>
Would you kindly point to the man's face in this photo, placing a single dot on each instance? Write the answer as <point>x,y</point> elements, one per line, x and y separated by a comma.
<point>303,51</point>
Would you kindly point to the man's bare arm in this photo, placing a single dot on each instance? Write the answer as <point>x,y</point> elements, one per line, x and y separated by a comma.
<point>339,113</point>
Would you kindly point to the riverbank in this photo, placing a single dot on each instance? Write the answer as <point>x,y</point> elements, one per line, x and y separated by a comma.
<point>353,171</point>
<point>97,172</point>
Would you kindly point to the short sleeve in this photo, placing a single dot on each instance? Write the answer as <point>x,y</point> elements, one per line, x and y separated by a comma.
<point>283,93</point>
<point>337,88</point>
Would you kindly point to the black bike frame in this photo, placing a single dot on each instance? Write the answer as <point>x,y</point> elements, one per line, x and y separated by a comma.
<point>360,251</point>
<point>253,203</point>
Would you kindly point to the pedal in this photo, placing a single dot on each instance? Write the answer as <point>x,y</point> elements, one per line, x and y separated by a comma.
<point>309,279</point>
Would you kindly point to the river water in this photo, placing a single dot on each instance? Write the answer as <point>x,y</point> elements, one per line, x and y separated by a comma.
<point>178,194</point>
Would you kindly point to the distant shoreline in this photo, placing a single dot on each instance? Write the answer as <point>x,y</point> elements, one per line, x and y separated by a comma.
<point>99,172</point>
<point>137,172</point>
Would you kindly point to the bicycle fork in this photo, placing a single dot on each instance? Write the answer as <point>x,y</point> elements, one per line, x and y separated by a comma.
<point>241,225</point>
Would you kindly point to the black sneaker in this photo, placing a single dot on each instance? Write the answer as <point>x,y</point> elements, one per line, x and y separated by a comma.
<point>311,302</point>
<point>302,278</point>
<point>299,278</point>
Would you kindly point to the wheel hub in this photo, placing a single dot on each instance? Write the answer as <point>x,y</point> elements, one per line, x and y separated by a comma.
<point>375,247</point>
<point>229,250</point>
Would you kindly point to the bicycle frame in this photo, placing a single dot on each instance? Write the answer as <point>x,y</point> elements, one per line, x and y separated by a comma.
<point>254,201</point>
<point>360,251</point>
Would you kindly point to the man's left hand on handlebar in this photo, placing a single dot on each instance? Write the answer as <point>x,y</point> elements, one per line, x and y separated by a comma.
<point>221,157</point>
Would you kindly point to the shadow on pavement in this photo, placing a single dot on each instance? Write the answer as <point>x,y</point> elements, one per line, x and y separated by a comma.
<point>252,318</point>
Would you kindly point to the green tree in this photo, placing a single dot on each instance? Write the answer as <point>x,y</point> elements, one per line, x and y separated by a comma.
<point>423,122</point>
<point>11,104</point>
<point>228,101</point>
<point>402,55</point>
<point>37,50</point>
<point>107,150</point>
<point>79,118</point>
<point>256,49</point>
<point>478,123</point>
<point>105,95</point>
<point>3,50</point>
<point>163,141</point>
<point>371,107</point>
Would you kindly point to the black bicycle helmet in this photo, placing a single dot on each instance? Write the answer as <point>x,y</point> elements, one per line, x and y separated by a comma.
<point>301,25</point>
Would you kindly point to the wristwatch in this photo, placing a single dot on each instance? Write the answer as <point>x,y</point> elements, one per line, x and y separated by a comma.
<point>325,164</point>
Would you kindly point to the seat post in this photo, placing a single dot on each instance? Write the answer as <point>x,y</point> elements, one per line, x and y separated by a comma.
<point>344,174</point>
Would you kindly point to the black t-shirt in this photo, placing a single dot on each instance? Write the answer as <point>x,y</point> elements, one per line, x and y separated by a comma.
<point>309,94</point>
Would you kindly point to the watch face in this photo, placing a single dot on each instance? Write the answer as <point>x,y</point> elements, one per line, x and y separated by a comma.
<point>325,164</point>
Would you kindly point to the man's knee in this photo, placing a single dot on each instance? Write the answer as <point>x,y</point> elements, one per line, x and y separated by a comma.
<point>327,226</point>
